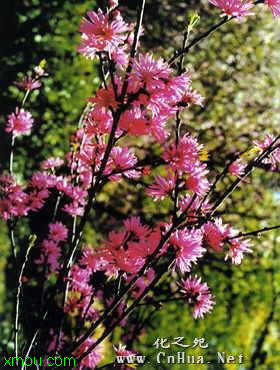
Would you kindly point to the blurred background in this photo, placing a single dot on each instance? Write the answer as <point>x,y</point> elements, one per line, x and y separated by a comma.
<point>238,71</point>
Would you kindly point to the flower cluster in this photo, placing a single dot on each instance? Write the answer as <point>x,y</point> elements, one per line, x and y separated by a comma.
<point>13,200</point>
<point>218,236</point>
<point>198,296</point>
<point>50,248</point>
<point>125,250</point>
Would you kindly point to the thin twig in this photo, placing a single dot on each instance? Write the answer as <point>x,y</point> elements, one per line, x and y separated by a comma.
<point>204,35</point>
<point>16,328</point>
<point>247,172</point>
<point>255,232</point>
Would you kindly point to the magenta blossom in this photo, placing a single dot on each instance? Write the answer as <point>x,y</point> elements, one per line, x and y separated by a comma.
<point>192,97</point>
<point>274,157</point>
<point>28,83</point>
<point>237,249</point>
<point>91,360</point>
<point>188,248</point>
<point>215,234</point>
<point>162,186</point>
<point>198,295</point>
<point>274,6</point>
<point>150,72</point>
<point>99,33</point>
<point>20,122</point>
<point>234,8</point>
<point>237,167</point>
<point>51,163</point>
<point>58,232</point>
<point>13,200</point>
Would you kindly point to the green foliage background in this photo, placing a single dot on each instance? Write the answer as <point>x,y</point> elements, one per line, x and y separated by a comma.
<point>237,70</point>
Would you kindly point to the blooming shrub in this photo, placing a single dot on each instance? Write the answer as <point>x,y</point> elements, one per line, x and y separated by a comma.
<point>144,97</point>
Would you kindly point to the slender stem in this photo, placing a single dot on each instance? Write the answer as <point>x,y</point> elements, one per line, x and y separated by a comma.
<point>16,327</point>
<point>11,160</point>
<point>255,232</point>
<point>198,39</point>
<point>33,340</point>
<point>134,47</point>
<point>12,238</point>
<point>11,224</point>
<point>25,97</point>
<point>219,177</point>
<point>178,127</point>
<point>160,301</point>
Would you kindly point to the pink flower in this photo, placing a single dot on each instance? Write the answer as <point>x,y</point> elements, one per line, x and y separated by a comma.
<point>58,232</point>
<point>183,157</point>
<point>73,209</point>
<point>133,225</point>
<point>39,71</point>
<point>80,279</point>
<point>188,248</point>
<point>150,72</point>
<point>134,123</point>
<point>90,259</point>
<point>51,254</point>
<point>274,157</point>
<point>190,205</point>
<point>13,200</point>
<point>42,180</point>
<point>215,233</point>
<point>197,181</point>
<point>20,122</point>
<point>120,56</point>
<point>99,33</point>
<point>122,160</point>
<point>235,8</point>
<point>157,128</point>
<point>198,295</point>
<point>37,199</point>
<point>122,351</point>
<point>119,253</point>
<point>237,249</point>
<point>51,163</point>
<point>113,3</point>
<point>105,98</point>
<point>274,6</point>
<point>177,87</point>
<point>192,97</point>
<point>162,186</point>
<point>28,83</point>
<point>91,360</point>
<point>99,121</point>
<point>237,168</point>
